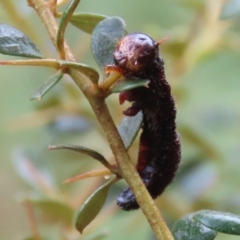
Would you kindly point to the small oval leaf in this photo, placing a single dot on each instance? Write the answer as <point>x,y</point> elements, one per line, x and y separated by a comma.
<point>84,69</point>
<point>52,81</point>
<point>104,39</point>
<point>187,228</point>
<point>83,150</point>
<point>219,221</point>
<point>230,9</point>
<point>92,206</point>
<point>16,43</point>
<point>128,84</point>
<point>129,127</point>
<point>86,21</point>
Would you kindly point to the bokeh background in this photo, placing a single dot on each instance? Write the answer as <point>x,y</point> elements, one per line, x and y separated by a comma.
<point>202,57</point>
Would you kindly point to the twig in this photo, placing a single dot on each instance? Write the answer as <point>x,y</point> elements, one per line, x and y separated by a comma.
<point>32,62</point>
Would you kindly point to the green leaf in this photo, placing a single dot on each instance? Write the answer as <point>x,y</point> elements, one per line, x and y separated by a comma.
<point>52,81</point>
<point>219,221</point>
<point>92,206</point>
<point>86,21</point>
<point>128,84</point>
<point>84,69</point>
<point>230,9</point>
<point>104,39</point>
<point>187,228</point>
<point>16,43</point>
<point>129,127</point>
<point>57,211</point>
<point>83,150</point>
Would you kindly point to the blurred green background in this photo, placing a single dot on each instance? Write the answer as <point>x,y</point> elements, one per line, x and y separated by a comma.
<point>202,59</point>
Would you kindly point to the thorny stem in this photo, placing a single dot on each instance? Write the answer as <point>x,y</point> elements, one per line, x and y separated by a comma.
<point>99,107</point>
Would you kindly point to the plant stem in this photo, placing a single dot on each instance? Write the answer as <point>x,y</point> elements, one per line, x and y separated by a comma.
<point>112,78</point>
<point>33,62</point>
<point>96,100</point>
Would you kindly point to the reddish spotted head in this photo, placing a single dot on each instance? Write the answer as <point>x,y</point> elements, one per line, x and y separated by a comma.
<point>135,51</point>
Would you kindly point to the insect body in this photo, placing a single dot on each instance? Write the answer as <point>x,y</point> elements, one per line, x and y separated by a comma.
<point>137,57</point>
